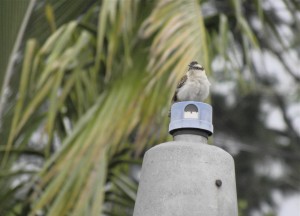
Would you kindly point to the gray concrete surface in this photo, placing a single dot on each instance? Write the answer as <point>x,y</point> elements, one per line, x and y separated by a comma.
<point>187,177</point>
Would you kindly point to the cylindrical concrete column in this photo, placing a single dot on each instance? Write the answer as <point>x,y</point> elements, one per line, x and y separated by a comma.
<point>187,177</point>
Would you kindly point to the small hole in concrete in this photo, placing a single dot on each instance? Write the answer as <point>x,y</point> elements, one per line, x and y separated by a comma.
<point>218,183</point>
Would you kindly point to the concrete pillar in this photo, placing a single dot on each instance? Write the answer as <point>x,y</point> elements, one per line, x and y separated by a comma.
<point>187,177</point>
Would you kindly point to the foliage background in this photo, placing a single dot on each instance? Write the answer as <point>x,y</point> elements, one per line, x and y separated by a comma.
<point>86,88</point>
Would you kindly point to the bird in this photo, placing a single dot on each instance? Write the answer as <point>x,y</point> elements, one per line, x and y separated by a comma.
<point>193,86</point>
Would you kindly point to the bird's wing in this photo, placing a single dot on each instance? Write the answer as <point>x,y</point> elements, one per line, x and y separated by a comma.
<point>179,85</point>
<point>182,81</point>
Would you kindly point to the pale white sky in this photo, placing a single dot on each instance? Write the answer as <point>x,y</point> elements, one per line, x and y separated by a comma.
<point>290,206</point>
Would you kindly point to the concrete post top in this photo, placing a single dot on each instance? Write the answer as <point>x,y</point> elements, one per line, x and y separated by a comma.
<point>183,178</point>
<point>191,115</point>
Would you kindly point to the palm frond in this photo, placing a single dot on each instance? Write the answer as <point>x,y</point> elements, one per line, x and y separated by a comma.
<point>177,39</point>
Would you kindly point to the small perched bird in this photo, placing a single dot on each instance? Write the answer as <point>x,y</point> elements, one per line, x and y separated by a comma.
<point>193,86</point>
